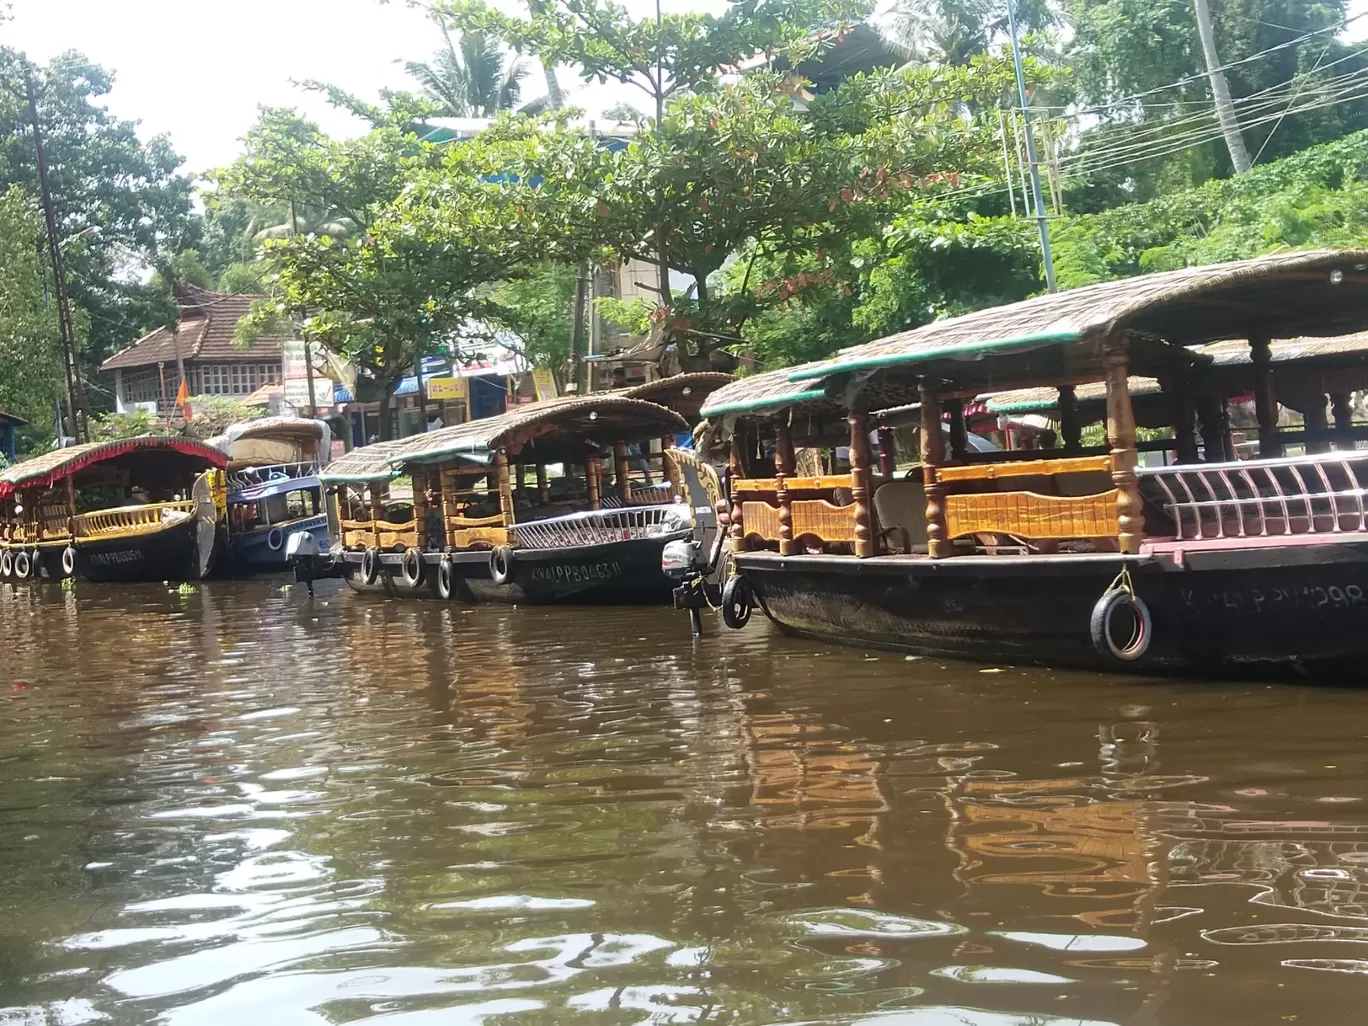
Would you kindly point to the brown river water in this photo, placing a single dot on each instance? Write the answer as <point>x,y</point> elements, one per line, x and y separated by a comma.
<point>240,805</point>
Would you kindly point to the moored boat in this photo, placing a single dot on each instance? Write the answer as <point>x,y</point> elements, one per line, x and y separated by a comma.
<point>520,507</point>
<point>1075,555</point>
<point>273,489</point>
<point>137,509</point>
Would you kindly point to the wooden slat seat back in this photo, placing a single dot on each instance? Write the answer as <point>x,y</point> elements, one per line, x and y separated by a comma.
<point>1039,500</point>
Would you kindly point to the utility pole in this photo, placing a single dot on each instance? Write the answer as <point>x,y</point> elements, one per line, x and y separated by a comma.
<point>1046,258</point>
<point>75,388</point>
<point>579,375</point>
<point>1220,92</point>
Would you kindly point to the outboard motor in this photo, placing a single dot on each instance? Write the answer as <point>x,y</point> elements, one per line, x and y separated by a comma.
<point>693,562</point>
<point>301,553</point>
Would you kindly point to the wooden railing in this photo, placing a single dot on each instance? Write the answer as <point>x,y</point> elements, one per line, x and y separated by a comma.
<point>382,534</point>
<point>467,532</point>
<point>1024,468</point>
<point>130,519</point>
<point>1032,516</point>
<point>808,502</point>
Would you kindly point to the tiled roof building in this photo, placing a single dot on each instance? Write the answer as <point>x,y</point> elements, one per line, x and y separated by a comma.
<point>147,371</point>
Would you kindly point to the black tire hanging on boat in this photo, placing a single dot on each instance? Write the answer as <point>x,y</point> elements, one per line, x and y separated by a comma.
<point>6,564</point>
<point>69,561</point>
<point>446,578</point>
<point>500,564</point>
<point>737,603</point>
<point>1100,626</point>
<point>411,567</point>
<point>22,566</point>
<point>370,565</point>
<point>275,539</point>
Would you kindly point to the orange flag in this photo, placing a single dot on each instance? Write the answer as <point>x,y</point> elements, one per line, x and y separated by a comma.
<point>183,399</point>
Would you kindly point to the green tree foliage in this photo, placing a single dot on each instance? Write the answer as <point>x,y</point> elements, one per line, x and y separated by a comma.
<point>412,271</point>
<point>536,314</point>
<point>1159,136</point>
<point>470,77</point>
<point>31,372</point>
<point>104,177</point>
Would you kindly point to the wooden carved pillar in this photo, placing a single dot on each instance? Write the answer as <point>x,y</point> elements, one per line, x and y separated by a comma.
<point>1344,419</point>
<point>70,501</point>
<point>624,483</point>
<point>887,463</point>
<point>1265,398</point>
<point>420,510</point>
<point>505,492</point>
<point>861,484</point>
<point>1211,416</point>
<point>1317,424</point>
<point>932,456</point>
<point>591,482</point>
<point>522,480</point>
<point>376,490</point>
<point>1070,428</point>
<point>738,529</point>
<point>959,430</point>
<point>1121,433</point>
<point>543,485</point>
<point>783,469</point>
<point>451,503</point>
<point>670,467</point>
<point>1184,433</point>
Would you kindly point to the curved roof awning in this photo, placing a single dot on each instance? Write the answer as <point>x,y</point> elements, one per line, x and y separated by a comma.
<point>49,468</point>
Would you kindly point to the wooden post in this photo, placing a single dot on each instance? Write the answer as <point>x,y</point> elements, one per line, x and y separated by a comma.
<point>1211,417</point>
<point>620,468</point>
<point>738,529</point>
<point>1184,433</point>
<point>783,468</point>
<point>887,462</point>
<point>860,484</point>
<point>1344,419</point>
<point>670,467</point>
<point>420,510</point>
<point>543,486</point>
<point>1121,433</point>
<point>377,505</point>
<point>70,502</point>
<point>1265,397</point>
<point>1070,430</point>
<point>591,482</point>
<point>522,480</point>
<point>959,430</point>
<point>1316,422</point>
<point>505,492</point>
<point>932,456</point>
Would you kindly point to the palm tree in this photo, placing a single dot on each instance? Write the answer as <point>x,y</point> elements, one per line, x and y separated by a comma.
<point>472,77</point>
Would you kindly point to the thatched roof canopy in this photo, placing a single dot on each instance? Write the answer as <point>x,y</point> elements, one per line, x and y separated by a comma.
<point>150,458</point>
<point>1059,336</point>
<point>554,431</point>
<point>683,393</point>
<point>368,463</point>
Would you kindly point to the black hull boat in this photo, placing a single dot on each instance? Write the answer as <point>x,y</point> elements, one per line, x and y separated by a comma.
<point>169,553</point>
<point>617,573</point>
<point>1062,553</point>
<point>1214,611</point>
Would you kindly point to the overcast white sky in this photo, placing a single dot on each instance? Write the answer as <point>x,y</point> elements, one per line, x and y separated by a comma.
<point>198,69</point>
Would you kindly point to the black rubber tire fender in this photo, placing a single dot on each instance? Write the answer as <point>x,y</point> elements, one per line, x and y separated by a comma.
<point>500,564</point>
<point>23,567</point>
<point>411,568</point>
<point>446,579</point>
<point>370,565</point>
<point>1100,627</point>
<point>69,561</point>
<point>275,539</point>
<point>6,564</point>
<point>738,601</point>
